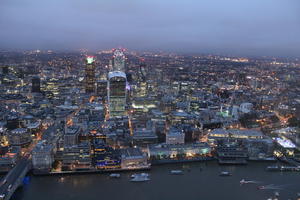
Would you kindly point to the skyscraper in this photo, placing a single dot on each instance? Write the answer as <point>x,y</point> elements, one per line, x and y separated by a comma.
<point>5,70</point>
<point>36,84</point>
<point>119,61</point>
<point>102,88</point>
<point>90,78</point>
<point>117,93</point>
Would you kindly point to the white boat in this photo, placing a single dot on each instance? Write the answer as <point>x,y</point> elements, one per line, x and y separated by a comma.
<point>176,172</point>
<point>243,181</point>
<point>115,175</point>
<point>140,177</point>
<point>141,174</point>
<point>224,173</point>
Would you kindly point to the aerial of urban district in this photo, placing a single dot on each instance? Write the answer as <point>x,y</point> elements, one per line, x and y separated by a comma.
<point>118,110</point>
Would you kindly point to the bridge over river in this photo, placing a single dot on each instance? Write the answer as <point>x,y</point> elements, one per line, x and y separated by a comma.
<point>14,178</point>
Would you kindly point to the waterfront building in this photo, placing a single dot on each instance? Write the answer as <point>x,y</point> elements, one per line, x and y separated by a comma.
<point>133,158</point>
<point>285,147</point>
<point>231,151</point>
<point>165,153</point>
<point>262,149</point>
<point>42,157</point>
<point>90,78</point>
<point>77,157</point>
<point>105,157</point>
<point>117,93</point>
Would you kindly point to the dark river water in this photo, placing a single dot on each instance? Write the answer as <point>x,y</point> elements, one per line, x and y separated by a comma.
<point>195,184</point>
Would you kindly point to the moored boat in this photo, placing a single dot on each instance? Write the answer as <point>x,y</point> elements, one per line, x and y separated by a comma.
<point>225,173</point>
<point>176,172</point>
<point>140,177</point>
<point>115,175</point>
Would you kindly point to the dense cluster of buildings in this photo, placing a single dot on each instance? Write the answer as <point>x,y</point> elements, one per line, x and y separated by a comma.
<point>120,110</point>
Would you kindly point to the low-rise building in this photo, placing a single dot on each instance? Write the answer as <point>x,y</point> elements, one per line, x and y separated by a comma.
<point>235,133</point>
<point>144,136</point>
<point>9,157</point>
<point>77,157</point>
<point>133,158</point>
<point>164,153</point>
<point>175,136</point>
<point>19,137</point>
<point>71,135</point>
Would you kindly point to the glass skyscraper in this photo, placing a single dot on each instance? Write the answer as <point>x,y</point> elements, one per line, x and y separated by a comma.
<point>117,93</point>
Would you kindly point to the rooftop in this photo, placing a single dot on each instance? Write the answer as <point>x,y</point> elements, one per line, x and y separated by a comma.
<point>116,74</point>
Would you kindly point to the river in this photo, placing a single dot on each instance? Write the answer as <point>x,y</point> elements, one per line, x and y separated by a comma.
<point>195,184</point>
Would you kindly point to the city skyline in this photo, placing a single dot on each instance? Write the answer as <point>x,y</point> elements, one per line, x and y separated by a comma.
<point>255,28</point>
<point>114,99</point>
<point>64,114</point>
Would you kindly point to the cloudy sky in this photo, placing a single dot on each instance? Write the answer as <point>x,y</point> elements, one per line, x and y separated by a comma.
<point>242,27</point>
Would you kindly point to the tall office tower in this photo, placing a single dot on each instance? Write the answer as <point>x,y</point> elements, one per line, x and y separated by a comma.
<point>110,65</point>
<point>36,84</point>
<point>119,61</point>
<point>117,93</point>
<point>90,78</point>
<point>102,88</point>
<point>5,70</point>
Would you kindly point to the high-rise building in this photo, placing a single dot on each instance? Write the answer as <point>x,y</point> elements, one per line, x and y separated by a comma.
<point>119,61</point>
<point>36,84</point>
<point>117,93</point>
<point>90,78</point>
<point>102,88</point>
<point>5,70</point>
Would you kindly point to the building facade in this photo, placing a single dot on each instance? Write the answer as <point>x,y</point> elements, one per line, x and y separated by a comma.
<point>175,136</point>
<point>119,60</point>
<point>117,93</point>
<point>90,78</point>
<point>36,84</point>
<point>42,157</point>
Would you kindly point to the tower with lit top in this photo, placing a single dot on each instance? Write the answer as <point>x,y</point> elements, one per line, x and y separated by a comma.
<point>119,60</point>
<point>90,78</point>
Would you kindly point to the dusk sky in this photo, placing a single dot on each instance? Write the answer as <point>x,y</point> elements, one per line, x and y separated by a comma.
<point>240,27</point>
